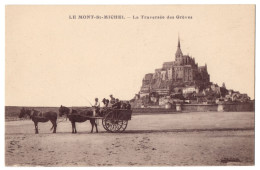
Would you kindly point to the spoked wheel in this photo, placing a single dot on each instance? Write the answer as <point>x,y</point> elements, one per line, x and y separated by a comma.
<point>122,124</point>
<point>111,124</point>
<point>115,125</point>
<point>104,124</point>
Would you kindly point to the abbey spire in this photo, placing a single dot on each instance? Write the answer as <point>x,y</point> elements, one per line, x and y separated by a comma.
<point>178,54</point>
<point>179,44</point>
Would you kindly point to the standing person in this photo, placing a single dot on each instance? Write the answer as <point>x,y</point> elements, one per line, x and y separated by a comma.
<point>112,99</point>
<point>96,107</point>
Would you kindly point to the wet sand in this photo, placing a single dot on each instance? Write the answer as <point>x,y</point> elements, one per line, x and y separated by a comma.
<point>207,138</point>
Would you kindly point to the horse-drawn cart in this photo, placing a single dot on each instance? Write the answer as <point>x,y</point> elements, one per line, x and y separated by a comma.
<point>113,120</point>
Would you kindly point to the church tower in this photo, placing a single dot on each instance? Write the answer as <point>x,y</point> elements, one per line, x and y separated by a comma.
<point>178,54</point>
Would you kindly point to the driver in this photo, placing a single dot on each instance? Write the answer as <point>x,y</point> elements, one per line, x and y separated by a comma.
<point>96,107</point>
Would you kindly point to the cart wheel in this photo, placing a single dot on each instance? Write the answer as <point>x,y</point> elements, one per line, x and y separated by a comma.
<point>122,124</point>
<point>114,125</point>
<point>110,125</point>
<point>104,125</point>
<point>104,122</point>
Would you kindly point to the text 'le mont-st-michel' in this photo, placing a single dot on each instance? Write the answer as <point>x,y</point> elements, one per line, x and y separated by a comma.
<point>134,17</point>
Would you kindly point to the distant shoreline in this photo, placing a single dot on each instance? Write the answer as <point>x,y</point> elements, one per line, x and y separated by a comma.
<point>12,112</point>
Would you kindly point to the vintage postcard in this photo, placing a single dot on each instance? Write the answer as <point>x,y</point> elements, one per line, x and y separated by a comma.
<point>130,85</point>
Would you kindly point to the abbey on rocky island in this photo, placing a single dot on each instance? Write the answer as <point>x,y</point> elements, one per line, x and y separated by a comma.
<point>182,81</point>
<point>176,76</point>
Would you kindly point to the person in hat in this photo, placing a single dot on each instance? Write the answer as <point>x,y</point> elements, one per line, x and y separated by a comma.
<point>105,102</point>
<point>112,99</point>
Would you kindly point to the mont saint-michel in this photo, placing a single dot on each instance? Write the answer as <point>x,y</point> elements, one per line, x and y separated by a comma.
<point>183,81</point>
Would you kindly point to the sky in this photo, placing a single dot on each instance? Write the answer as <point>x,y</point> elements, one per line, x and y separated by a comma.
<point>53,60</point>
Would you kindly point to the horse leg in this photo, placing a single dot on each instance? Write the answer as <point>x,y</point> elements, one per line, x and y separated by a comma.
<point>96,126</point>
<point>54,125</point>
<point>92,125</point>
<point>75,127</point>
<point>72,124</point>
<point>36,127</point>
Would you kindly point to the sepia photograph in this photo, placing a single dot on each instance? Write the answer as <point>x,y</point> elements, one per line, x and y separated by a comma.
<point>129,85</point>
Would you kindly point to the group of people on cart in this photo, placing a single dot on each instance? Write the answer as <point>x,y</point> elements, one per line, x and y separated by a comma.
<point>114,103</point>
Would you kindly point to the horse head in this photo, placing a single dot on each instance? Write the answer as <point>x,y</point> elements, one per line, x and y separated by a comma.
<point>24,112</point>
<point>63,110</point>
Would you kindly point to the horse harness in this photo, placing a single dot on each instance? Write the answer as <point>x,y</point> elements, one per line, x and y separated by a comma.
<point>36,113</point>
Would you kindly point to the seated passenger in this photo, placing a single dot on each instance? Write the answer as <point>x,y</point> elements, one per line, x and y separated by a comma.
<point>123,105</point>
<point>117,104</point>
<point>128,106</point>
<point>105,102</point>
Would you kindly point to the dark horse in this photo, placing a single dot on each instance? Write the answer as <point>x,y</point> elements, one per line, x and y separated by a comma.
<point>37,116</point>
<point>78,116</point>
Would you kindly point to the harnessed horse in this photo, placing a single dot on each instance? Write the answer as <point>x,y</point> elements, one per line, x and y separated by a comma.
<point>38,116</point>
<point>78,116</point>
